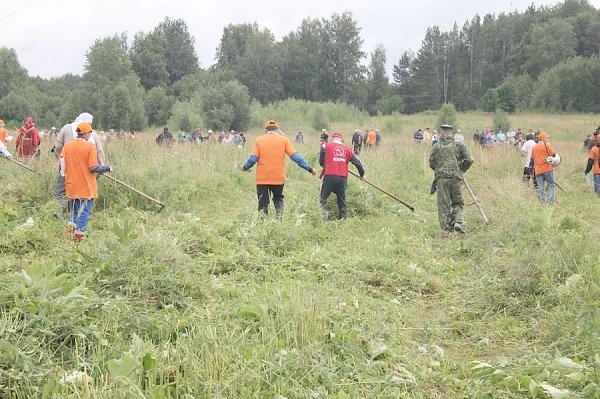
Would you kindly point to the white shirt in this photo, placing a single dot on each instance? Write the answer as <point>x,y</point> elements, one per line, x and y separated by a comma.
<point>4,151</point>
<point>527,147</point>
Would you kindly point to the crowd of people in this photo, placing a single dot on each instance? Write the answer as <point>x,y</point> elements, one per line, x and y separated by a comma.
<point>195,136</point>
<point>80,154</point>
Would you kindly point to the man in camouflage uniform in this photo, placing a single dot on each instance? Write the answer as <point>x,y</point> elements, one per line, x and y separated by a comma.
<point>449,159</point>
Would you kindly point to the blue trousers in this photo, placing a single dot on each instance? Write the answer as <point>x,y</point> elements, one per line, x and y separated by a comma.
<point>81,210</point>
<point>545,178</point>
<point>597,184</point>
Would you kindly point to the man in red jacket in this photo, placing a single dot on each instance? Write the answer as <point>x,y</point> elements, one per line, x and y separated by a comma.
<point>334,158</point>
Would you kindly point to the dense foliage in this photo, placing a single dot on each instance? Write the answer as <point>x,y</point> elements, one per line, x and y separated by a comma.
<point>545,58</point>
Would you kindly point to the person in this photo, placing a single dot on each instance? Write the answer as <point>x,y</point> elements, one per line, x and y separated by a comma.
<point>181,137</point>
<point>237,140</point>
<point>418,136</point>
<point>595,139</point>
<point>427,136</point>
<point>324,136</point>
<point>28,140</point>
<point>586,143</point>
<point>334,158</point>
<point>244,139</point>
<point>449,159</point>
<point>66,134</point>
<point>510,136</point>
<point>78,163</point>
<point>269,152</point>
<point>371,139</point>
<point>528,172</point>
<point>459,137</point>
<point>377,137</point>
<point>435,137</point>
<point>3,134</point>
<point>356,141</point>
<point>165,138</point>
<point>594,163</point>
<point>4,151</point>
<point>501,137</point>
<point>299,138</point>
<point>543,169</point>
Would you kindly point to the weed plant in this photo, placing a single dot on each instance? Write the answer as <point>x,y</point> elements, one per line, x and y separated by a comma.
<point>207,299</point>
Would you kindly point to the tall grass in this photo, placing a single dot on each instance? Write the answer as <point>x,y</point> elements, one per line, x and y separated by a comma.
<point>208,299</point>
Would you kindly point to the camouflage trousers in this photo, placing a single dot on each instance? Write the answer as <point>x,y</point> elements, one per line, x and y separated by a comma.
<point>450,202</point>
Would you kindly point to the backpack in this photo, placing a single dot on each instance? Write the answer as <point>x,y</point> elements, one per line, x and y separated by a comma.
<point>418,135</point>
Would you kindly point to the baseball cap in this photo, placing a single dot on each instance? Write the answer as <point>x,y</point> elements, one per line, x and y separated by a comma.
<point>84,127</point>
<point>337,135</point>
<point>543,135</point>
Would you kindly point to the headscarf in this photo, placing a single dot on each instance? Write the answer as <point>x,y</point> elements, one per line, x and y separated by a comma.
<point>28,124</point>
<point>83,117</point>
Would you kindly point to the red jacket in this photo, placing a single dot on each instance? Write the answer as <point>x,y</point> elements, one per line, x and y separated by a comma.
<point>334,158</point>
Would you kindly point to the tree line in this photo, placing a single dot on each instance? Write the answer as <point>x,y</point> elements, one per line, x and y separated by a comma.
<point>545,58</point>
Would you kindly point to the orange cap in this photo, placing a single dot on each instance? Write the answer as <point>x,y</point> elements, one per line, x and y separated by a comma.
<point>84,127</point>
<point>543,136</point>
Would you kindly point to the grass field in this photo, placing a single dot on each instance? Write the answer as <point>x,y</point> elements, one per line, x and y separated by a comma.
<point>208,300</point>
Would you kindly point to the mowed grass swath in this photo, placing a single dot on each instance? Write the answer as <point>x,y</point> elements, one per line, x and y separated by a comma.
<point>206,299</point>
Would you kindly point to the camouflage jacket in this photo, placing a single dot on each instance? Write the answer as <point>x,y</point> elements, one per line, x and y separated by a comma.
<point>449,159</point>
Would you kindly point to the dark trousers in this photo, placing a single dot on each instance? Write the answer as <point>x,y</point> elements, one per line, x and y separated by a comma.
<point>337,185</point>
<point>264,192</point>
<point>529,174</point>
<point>450,202</point>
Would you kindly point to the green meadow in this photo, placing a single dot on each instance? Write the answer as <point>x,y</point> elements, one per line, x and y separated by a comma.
<point>207,299</point>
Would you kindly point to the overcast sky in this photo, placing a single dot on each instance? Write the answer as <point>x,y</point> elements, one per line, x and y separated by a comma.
<point>51,38</point>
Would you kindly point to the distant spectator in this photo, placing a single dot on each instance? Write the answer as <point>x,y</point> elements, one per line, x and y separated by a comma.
<point>459,137</point>
<point>28,140</point>
<point>510,136</point>
<point>324,136</point>
<point>165,138</point>
<point>586,143</point>
<point>427,136</point>
<point>501,137</point>
<point>299,138</point>
<point>418,136</point>
<point>356,142</point>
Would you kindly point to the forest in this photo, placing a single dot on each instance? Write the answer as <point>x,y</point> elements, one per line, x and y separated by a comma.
<point>545,59</point>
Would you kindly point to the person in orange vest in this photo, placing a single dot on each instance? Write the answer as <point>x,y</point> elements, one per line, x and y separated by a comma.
<point>3,133</point>
<point>269,152</point>
<point>371,138</point>
<point>594,163</point>
<point>78,163</point>
<point>334,158</point>
<point>544,172</point>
